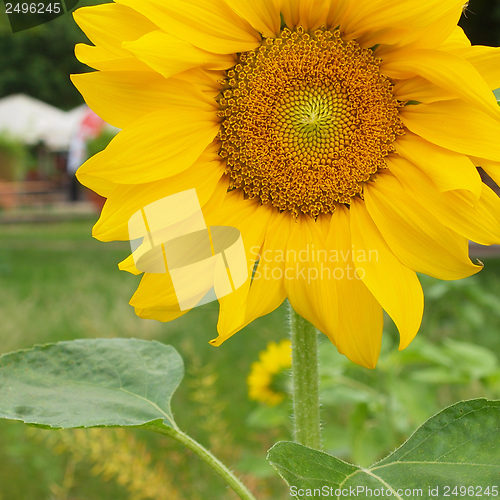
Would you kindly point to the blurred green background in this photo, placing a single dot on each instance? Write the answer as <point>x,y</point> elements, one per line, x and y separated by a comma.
<point>56,283</point>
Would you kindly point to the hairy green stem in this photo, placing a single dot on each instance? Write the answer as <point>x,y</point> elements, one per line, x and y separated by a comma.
<point>217,466</point>
<point>305,381</point>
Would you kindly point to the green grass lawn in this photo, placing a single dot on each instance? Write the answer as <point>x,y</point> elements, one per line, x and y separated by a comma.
<point>57,283</point>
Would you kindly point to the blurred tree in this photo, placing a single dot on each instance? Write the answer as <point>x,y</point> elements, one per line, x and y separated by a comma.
<point>38,61</point>
<point>481,22</point>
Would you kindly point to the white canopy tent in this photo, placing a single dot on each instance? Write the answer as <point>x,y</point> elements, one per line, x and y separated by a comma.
<point>31,121</point>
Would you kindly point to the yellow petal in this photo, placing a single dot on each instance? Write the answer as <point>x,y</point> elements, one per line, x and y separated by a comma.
<point>125,200</point>
<point>169,55</point>
<point>491,168</point>
<point>337,13</point>
<point>251,219</point>
<point>420,90</point>
<point>313,13</point>
<point>322,287</point>
<point>457,40</point>
<point>129,266</point>
<point>310,295</point>
<point>106,60</point>
<point>475,222</point>
<point>290,12</point>
<point>401,23</point>
<point>457,126</point>
<point>490,205</point>
<point>487,62</point>
<point>267,290</point>
<point>414,234</point>
<point>360,318</point>
<point>158,145</point>
<point>155,298</point>
<point>448,71</point>
<point>262,15</point>
<point>110,24</point>
<point>120,98</point>
<point>482,223</point>
<point>394,285</point>
<point>208,24</point>
<point>448,170</point>
<point>209,82</point>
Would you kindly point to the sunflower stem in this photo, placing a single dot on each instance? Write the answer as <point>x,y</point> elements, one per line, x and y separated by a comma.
<point>305,381</point>
<point>211,460</point>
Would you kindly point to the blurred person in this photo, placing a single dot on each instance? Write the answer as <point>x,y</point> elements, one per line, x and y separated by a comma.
<point>90,127</point>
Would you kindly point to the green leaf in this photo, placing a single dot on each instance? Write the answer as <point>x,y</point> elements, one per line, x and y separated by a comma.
<point>455,448</point>
<point>90,383</point>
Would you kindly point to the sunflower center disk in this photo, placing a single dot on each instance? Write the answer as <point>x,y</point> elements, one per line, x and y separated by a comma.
<point>306,120</point>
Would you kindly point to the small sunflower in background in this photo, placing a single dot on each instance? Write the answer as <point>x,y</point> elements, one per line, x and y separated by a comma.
<point>266,382</point>
<point>347,131</point>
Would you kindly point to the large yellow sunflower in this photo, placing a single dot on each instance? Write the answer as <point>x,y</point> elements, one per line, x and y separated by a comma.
<point>341,137</point>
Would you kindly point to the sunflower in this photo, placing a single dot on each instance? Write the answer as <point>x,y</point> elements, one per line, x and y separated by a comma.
<point>274,360</point>
<point>341,137</point>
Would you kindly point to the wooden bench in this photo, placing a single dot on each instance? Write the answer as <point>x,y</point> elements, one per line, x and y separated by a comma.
<point>27,193</point>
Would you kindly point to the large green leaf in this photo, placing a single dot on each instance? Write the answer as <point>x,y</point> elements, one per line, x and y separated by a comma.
<point>456,448</point>
<point>88,383</point>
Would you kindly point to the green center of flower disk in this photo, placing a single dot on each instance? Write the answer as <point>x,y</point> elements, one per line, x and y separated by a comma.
<point>306,120</point>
